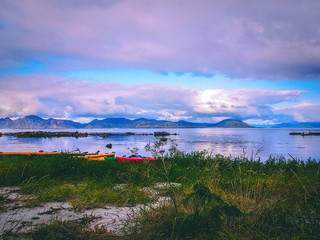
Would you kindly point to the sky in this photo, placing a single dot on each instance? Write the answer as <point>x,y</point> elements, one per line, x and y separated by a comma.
<point>199,61</point>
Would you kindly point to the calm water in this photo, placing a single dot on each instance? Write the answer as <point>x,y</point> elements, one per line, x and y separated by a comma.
<point>274,142</point>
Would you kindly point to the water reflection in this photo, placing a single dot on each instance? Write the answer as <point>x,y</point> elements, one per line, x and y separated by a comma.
<point>235,142</point>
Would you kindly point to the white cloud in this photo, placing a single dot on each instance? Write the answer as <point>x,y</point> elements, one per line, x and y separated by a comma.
<point>18,104</point>
<point>173,115</point>
<point>241,103</point>
<point>302,112</point>
<point>83,119</point>
<point>47,96</point>
<point>263,122</point>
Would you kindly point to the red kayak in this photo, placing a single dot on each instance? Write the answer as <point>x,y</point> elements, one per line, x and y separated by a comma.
<point>135,159</point>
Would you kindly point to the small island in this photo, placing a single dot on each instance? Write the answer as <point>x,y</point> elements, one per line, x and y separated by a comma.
<point>305,133</point>
<point>46,134</point>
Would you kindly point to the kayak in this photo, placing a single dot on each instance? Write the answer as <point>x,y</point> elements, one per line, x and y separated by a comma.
<point>135,159</point>
<point>29,153</point>
<point>90,157</point>
<point>99,155</point>
<point>96,159</point>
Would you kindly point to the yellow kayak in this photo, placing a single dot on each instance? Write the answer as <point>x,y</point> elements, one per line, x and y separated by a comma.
<point>90,157</point>
<point>99,155</point>
<point>96,159</point>
<point>29,153</point>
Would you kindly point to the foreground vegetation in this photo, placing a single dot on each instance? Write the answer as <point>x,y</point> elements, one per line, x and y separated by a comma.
<point>219,197</point>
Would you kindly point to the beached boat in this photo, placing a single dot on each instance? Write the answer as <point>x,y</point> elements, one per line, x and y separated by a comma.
<point>90,157</point>
<point>99,157</point>
<point>96,158</point>
<point>135,159</point>
<point>29,153</point>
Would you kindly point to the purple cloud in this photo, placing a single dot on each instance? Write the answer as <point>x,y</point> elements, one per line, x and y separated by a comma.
<point>253,39</point>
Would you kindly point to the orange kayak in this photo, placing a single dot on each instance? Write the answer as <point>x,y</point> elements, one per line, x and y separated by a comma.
<point>29,153</point>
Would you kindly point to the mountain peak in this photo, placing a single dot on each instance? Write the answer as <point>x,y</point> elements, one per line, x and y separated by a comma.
<point>33,117</point>
<point>232,123</point>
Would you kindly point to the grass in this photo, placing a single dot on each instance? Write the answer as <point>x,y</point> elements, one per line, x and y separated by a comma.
<point>219,198</point>
<point>84,194</point>
<point>64,230</point>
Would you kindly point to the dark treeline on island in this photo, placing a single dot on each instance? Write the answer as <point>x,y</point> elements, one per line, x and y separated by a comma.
<point>35,122</point>
<point>306,133</point>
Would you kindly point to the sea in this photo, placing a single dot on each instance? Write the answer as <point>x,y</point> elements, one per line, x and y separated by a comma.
<point>254,143</point>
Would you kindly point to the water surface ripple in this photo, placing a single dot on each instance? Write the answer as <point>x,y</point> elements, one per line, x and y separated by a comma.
<point>230,141</point>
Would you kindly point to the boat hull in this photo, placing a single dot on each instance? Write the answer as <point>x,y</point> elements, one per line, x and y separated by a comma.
<point>135,159</point>
<point>89,157</point>
<point>29,153</point>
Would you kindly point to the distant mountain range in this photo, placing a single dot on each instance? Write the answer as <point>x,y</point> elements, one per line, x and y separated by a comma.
<point>35,122</point>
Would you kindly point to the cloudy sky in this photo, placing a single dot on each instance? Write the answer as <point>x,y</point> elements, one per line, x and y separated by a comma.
<point>200,61</point>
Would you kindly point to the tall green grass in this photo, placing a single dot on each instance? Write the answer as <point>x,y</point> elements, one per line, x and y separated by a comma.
<point>220,197</point>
